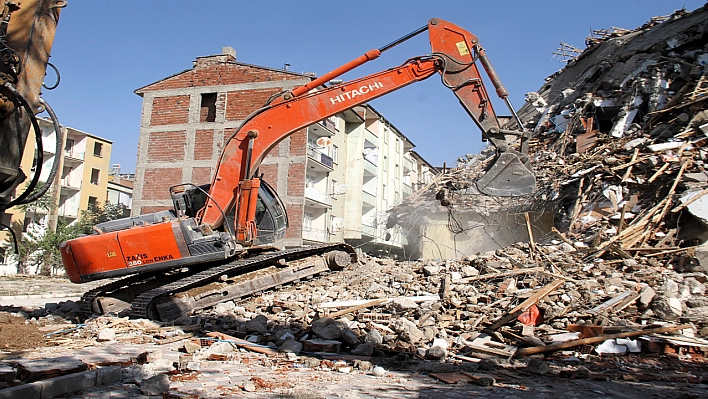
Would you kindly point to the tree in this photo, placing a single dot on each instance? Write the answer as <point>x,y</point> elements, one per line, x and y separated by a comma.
<point>43,203</point>
<point>40,248</point>
<point>96,214</point>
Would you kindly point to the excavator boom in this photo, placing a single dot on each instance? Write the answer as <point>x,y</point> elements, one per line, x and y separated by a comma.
<point>454,56</point>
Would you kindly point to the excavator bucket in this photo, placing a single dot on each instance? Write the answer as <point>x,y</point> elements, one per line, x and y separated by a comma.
<point>507,177</point>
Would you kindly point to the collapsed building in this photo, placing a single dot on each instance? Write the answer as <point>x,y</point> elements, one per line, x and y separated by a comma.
<point>617,148</point>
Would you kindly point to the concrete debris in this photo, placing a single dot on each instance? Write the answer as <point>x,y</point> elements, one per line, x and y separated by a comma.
<point>157,385</point>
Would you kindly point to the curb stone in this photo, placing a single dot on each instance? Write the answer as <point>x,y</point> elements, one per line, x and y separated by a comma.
<point>64,385</point>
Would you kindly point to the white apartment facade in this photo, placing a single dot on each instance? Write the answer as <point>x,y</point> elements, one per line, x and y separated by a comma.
<point>358,167</point>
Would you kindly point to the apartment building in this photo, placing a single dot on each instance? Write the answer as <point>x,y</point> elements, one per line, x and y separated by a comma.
<point>119,187</point>
<point>380,164</point>
<point>318,171</point>
<point>81,179</point>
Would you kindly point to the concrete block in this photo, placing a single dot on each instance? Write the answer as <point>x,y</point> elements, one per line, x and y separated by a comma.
<point>63,385</point>
<point>27,391</point>
<point>67,384</point>
<point>108,375</point>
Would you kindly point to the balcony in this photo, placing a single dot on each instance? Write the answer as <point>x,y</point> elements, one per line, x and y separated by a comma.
<point>407,164</point>
<point>323,163</point>
<point>310,234</point>
<point>70,185</point>
<point>406,190</point>
<point>371,137</point>
<point>370,168</point>
<point>320,199</point>
<point>368,230</point>
<point>368,200</point>
<point>68,210</point>
<point>73,156</point>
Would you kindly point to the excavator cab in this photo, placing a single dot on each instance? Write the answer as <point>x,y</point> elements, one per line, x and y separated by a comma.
<point>271,218</point>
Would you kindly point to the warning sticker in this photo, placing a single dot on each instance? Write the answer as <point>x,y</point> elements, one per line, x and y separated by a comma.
<point>462,48</point>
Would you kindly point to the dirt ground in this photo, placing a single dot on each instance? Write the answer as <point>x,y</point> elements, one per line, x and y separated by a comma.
<point>17,333</point>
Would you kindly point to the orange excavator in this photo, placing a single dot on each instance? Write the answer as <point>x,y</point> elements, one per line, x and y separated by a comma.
<point>217,243</point>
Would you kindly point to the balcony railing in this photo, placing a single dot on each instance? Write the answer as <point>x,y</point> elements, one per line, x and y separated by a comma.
<point>316,195</point>
<point>319,157</point>
<point>368,198</point>
<point>407,164</point>
<point>70,184</point>
<point>368,230</point>
<point>370,166</point>
<point>74,155</point>
<point>310,234</point>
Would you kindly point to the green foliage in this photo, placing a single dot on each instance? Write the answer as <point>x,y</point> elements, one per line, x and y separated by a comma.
<point>43,203</point>
<point>96,214</point>
<point>41,249</point>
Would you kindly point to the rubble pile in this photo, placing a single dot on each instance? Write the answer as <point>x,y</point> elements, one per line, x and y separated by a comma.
<point>618,148</point>
<point>619,139</point>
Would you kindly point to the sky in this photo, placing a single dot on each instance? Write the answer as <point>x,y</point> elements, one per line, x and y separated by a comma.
<point>106,50</point>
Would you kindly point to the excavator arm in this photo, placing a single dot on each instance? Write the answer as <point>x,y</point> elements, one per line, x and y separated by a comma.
<point>454,56</point>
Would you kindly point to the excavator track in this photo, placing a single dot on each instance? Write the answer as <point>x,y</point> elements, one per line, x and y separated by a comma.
<point>87,301</point>
<point>232,280</point>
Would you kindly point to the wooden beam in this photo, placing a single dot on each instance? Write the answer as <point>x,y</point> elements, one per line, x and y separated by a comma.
<point>600,338</point>
<point>525,305</point>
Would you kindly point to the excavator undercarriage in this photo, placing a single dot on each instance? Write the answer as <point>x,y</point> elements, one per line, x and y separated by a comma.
<point>168,295</point>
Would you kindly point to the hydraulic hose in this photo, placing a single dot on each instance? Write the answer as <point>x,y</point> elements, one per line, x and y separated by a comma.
<point>40,149</point>
<point>55,166</point>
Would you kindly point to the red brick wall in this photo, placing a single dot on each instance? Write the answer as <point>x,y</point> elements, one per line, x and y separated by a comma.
<point>221,74</point>
<point>166,146</point>
<point>157,182</point>
<point>169,110</point>
<point>295,214</point>
<point>201,175</point>
<point>203,144</point>
<point>298,143</point>
<point>296,179</point>
<point>270,175</point>
<point>152,209</point>
<point>242,103</point>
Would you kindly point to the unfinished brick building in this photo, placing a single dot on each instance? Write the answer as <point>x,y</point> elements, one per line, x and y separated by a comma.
<point>187,117</point>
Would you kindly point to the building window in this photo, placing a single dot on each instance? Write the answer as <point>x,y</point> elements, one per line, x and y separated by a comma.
<point>95,176</point>
<point>333,187</point>
<point>335,153</point>
<point>69,148</point>
<point>98,149</point>
<point>307,221</point>
<point>92,202</point>
<point>397,171</point>
<point>310,181</point>
<point>384,192</point>
<point>207,112</point>
<point>385,164</point>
